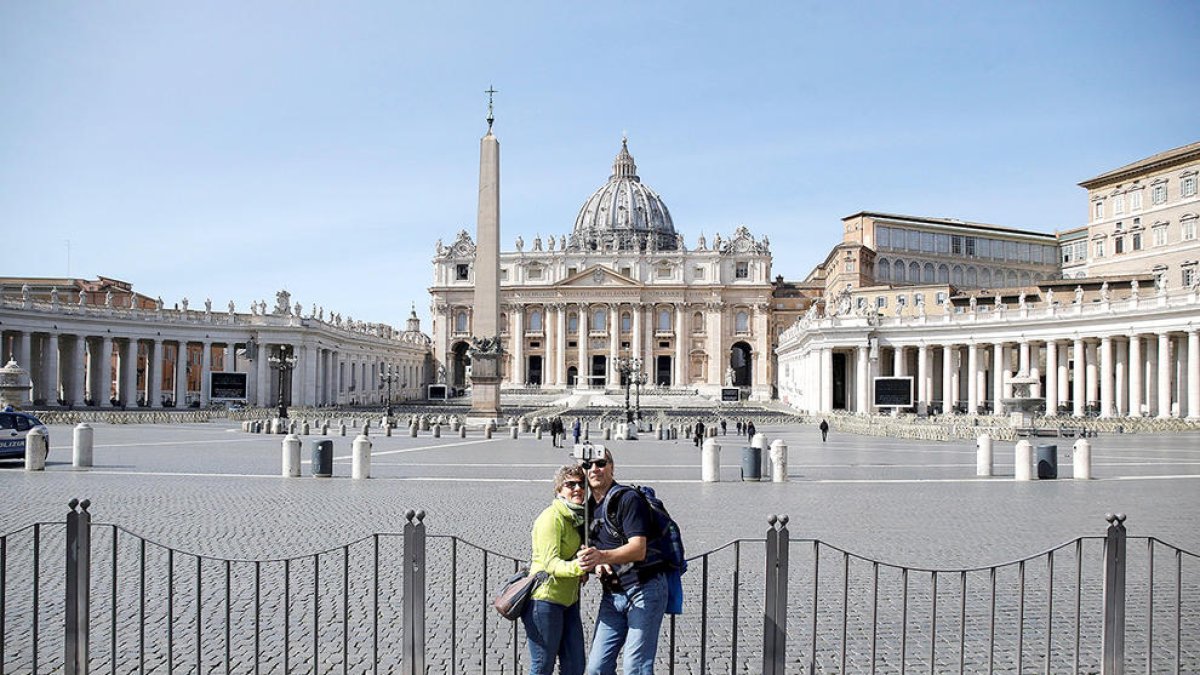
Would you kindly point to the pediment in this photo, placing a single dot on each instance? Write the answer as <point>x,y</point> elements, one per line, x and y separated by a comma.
<point>597,276</point>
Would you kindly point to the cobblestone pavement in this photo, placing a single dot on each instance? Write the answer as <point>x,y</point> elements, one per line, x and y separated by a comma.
<point>212,490</point>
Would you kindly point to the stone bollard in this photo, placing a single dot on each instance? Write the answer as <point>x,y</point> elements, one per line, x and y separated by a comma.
<point>36,448</point>
<point>361,458</point>
<point>586,433</point>
<point>454,424</point>
<point>779,461</point>
<point>487,431</point>
<point>292,426</point>
<point>387,430</point>
<point>342,428</point>
<point>537,432</point>
<point>1023,461</point>
<point>291,456</point>
<point>304,428</point>
<point>710,462</point>
<point>513,432</point>
<point>983,455</point>
<point>462,431</point>
<point>366,430</point>
<point>524,425</point>
<point>760,441</point>
<point>412,430</point>
<point>81,449</point>
<point>424,424</point>
<point>437,431</point>
<point>325,428</point>
<point>608,434</point>
<point>1082,459</point>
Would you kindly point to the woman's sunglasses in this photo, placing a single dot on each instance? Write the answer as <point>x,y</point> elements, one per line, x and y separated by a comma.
<point>572,484</point>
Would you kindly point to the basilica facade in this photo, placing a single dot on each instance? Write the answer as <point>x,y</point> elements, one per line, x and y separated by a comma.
<point>622,287</point>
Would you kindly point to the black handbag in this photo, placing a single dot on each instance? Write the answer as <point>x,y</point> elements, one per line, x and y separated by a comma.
<point>515,593</point>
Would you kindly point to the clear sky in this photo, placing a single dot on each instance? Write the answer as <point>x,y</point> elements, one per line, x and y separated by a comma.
<point>230,149</point>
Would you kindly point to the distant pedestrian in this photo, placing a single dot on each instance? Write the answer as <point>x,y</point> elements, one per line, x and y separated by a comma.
<point>750,431</point>
<point>698,438</point>
<point>557,432</point>
<point>722,427</point>
<point>824,430</point>
<point>576,429</point>
<point>739,427</point>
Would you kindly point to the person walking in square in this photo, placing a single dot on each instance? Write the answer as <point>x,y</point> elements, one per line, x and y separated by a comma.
<point>698,437</point>
<point>750,431</point>
<point>576,429</point>
<point>824,430</point>
<point>553,624</point>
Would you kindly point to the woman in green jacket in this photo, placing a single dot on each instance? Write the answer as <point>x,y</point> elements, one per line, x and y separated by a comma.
<point>552,621</point>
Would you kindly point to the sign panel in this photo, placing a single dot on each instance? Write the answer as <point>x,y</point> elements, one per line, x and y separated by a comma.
<point>227,386</point>
<point>437,392</point>
<point>893,392</point>
<point>731,394</point>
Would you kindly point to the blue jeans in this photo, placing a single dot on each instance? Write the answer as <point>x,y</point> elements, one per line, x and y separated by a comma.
<point>554,632</point>
<point>631,619</point>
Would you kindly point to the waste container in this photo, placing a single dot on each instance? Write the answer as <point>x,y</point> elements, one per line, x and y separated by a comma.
<point>322,459</point>
<point>751,463</point>
<point>1047,461</point>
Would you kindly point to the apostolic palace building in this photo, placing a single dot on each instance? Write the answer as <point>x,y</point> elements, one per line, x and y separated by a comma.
<point>1102,319</point>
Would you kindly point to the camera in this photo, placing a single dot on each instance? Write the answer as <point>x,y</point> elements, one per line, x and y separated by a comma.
<point>586,452</point>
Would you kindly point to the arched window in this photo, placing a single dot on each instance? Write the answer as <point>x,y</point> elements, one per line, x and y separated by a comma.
<point>698,322</point>
<point>929,274</point>
<point>460,322</point>
<point>898,272</point>
<point>599,320</point>
<point>985,278</point>
<point>503,323</point>
<point>664,320</point>
<point>626,322</point>
<point>535,321</point>
<point>884,269</point>
<point>972,276</point>
<point>573,323</point>
<point>741,322</point>
<point>1012,279</point>
<point>956,275</point>
<point>943,276</point>
<point>914,272</point>
<point>1024,278</point>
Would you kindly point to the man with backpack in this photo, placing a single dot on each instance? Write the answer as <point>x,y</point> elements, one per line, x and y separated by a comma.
<point>636,561</point>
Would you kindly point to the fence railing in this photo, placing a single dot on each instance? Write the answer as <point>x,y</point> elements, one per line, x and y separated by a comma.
<point>412,602</point>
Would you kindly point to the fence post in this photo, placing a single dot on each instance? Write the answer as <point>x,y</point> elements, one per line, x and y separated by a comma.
<point>78,584</point>
<point>775,600</point>
<point>1114,596</point>
<point>414,593</point>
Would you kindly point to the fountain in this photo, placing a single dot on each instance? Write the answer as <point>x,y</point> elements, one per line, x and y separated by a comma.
<point>1022,407</point>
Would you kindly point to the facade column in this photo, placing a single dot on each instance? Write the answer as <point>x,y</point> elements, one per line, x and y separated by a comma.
<point>635,344</point>
<point>24,350</point>
<point>53,392</point>
<point>972,378</point>
<point>1091,352</point>
<point>105,373</point>
<point>1078,393</point>
<point>1035,369</point>
<point>1120,383</point>
<point>304,377</point>
<point>205,369</point>
<point>1064,373</point>
<point>181,372</point>
<point>898,363</point>
<point>262,369</point>
<point>128,384</point>
<point>1150,375</point>
<point>517,335</point>
<point>949,379</point>
<point>1193,374</point>
<point>1135,375</point>
<point>585,370</point>
<point>1023,357</point>
<point>614,344</point>
<point>1106,376</point>
<point>154,363</point>
<point>1164,375</point>
<point>826,379</point>
<point>999,356</point>
<point>560,339</point>
<point>922,375</point>
<point>862,392</point>
<point>78,372</point>
<point>681,365</point>
<point>1051,378</point>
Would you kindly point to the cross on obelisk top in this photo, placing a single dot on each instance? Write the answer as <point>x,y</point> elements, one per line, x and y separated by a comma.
<point>491,91</point>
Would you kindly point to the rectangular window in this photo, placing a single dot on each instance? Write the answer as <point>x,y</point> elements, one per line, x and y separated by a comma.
<point>914,240</point>
<point>1160,235</point>
<point>1118,245</point>
<point>1098,211</point>
<point>927,242</point>
<point>1023,252</point>
<point>1135,200</point>
<point>1119,205</point>
<point>664,273</point>
<point>742,271</point>
<point>571,271</point>
<point>1098,249</point>
<point>956,244</point>
<point>504,274</point>
<point>628,272</point>
<point>984,247</point>
<point>462,271</point>
<point>880,301</point>
<point>943,243</point>
<point>941,297</point>
<point>1136,241</point>
<point>1010,250</point>
<point>1189,276</point>
<point>849,266</point>
<point>969,247</point>
<point>1188,186</point>
<point>1189,229</point>
<point>1159,195</point>
<point>883,237</point>
<point>698,274</point>
<point>535,273</point>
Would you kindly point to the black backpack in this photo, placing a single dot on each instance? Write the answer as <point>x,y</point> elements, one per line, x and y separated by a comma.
<point>665,547</point>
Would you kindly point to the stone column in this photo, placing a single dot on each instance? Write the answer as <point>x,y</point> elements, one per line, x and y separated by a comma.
<point>898,363</point>
<point>560,351</point>
<point>1079,392</point>
<point>614,344</point>
<point>50,357</point>
<point>681,346</point>
<point>1091,352</point>
<point>1106,376</point>
<point>1051,377</point>
<point>862,387</point>
<point>262,370</point>
<point>128,384</point>
<point>78,370</point>
<point>972,378</point>
<point>1064,373</point>
<point>1035,369</point>
<point>949,379</point>
<point>636,343</point>
<point>999,365</point>
<point>181,372</point>
<point>826,378</point>
<point>1150,375</point>
<point>1120,385</point>
<point>1135,375</point>
<point>304,386</point>
<point>24,350</point>
<point>585,368</point>
<point>922,374</point>
<point>517,339</point>
<point>1164,375</point>
<point>1023,357</point>
<point>154,362</point>
<point>105,372</point>
<point>1193,374</point>
<point>205,371</point>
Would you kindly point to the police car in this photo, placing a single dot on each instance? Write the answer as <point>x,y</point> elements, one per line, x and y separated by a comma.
<point>14,428</point>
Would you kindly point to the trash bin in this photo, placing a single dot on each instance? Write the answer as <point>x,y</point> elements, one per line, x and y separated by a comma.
<point>1047,462</point>
<point>322,459</point>
<point>751,463</point>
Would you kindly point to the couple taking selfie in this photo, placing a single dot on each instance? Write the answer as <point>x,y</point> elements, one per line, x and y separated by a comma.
<point>622,551</point>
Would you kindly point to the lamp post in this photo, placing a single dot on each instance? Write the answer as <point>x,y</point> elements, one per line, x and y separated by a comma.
<point>640,380</point>
<point>387,377</point>
<point>282,361</point>
<point>630,369</point>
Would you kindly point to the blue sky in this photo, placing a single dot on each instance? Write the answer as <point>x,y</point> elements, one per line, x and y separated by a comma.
<point>230,149</point>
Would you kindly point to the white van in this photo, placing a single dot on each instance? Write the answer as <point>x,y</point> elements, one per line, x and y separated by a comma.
<point>14,428</point>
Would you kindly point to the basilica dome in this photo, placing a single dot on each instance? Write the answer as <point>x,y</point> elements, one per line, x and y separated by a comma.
<point>624,214</point>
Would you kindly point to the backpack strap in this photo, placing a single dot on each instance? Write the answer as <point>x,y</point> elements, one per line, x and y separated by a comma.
<point>609,509</point>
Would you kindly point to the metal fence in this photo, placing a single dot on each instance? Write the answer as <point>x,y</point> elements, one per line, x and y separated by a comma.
<point>411,602</point>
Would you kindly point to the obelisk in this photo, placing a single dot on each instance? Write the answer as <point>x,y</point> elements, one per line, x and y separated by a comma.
<point>486,352</point>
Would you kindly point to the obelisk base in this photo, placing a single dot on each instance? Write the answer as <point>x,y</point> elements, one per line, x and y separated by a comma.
<point>485,387</point>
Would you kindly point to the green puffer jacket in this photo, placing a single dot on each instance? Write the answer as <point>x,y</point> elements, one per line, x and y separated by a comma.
<point>555,542</point>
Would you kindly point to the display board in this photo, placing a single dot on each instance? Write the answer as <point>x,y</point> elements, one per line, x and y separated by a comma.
<point>227,386</point>
<point>893,392</point>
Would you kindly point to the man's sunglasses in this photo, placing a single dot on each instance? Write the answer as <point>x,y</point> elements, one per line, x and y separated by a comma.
<point>599,463</point>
